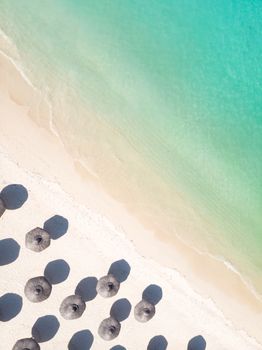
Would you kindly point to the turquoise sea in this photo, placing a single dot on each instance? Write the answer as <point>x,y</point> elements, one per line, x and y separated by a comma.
<point>176,82</point>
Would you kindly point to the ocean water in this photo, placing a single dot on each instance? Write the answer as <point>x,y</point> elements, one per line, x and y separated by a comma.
<point>163,101</point>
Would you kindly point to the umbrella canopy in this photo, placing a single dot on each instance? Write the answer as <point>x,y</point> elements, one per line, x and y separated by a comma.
<point>26,344</point>
<point>109,328</point>
<point>107,286</point>
<point>72,307</point>
<point>37,289</point>
<point>144,311</point>
<point>37,239</point>
<point>2,207</point>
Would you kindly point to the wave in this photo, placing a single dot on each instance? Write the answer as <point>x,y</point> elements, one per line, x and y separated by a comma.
<point>12,55</point>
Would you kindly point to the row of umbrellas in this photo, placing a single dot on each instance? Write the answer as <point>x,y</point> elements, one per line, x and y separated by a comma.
<point>38,289</point>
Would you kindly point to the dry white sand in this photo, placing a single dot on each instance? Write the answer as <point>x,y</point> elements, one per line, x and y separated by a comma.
<point>90,245</point>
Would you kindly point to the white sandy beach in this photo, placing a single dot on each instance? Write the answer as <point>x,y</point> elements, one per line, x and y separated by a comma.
<point>32,157</point>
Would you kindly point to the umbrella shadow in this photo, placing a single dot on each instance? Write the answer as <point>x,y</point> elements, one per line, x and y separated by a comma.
<point>158,342</point>
<point>14,196</point>
<point>86,288</point>
<point>120,310</point>
<point>45,328</point>
<point>197,343</point>
<point>81,340</point>
<point>9,251</point>
<point>118,347</point>
<point>56,226</point>
<point>57,271</point>
<point>10,306</point>
<point>153,294</point>
<point>120,269</point>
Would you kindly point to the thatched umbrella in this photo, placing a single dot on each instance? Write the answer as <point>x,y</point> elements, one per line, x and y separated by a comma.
<point>144,311</point>
<point>37,289</point>
<point>109,328</point>
<point>26,344</point>
<point>37,239</point>
<point>2,207</point>
<point>72,307</point>
<point>107,286</point>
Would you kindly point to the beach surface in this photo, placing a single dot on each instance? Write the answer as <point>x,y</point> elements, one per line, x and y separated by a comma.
<point>96,232</point>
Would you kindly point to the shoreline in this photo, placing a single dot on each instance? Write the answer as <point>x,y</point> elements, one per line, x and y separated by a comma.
<point>192,314</point>
<point>185,219</point>
<point>102,202</point>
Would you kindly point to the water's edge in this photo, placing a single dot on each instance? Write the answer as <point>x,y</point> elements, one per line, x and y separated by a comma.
<point>50,125</point>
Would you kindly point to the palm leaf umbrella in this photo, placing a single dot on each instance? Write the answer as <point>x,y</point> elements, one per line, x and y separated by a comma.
<point>37,289</point>
<point>109,328</point>
<point>107,286</point>
<point>37,239</point>
<point>72,307</point>
<point>2,207</point>
<point>26,344</point>
<point>144,311</point>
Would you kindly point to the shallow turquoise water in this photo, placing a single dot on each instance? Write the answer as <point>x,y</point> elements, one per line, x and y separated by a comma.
<point>181,80</point>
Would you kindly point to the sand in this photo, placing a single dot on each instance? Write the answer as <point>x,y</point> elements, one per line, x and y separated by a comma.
<point>98,234</point>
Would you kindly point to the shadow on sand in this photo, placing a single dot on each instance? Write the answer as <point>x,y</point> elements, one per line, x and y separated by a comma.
<point>197,343</point>
<point>14,196</point>
<point>57,271</point>
<point>153,294</point>
<point>120,310</point>
<point>86,288</point>
<point>120,269</point>
<point>158,342</point>
<point>9,251</point>
<point>56,226</point>
<point>10,306</point>
<point>81,340</point>
<point>45,328</point>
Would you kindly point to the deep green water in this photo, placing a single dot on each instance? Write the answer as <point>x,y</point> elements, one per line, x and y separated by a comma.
<point>181,80</point>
